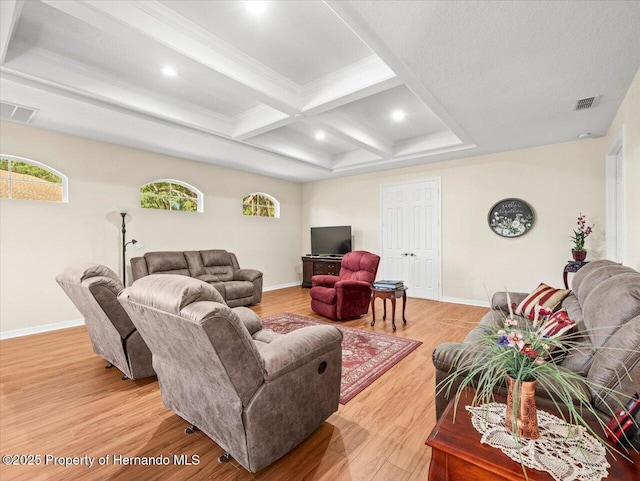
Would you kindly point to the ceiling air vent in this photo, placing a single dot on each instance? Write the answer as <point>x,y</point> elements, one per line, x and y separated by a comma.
<point>17,113</point>
<point>587,103</point>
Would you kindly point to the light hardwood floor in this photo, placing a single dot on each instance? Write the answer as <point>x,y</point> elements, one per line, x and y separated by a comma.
<point>57,399</point>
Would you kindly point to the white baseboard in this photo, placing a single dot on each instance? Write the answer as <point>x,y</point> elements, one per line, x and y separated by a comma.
<point>469,302</point>
<point>38,329</point>
<point>281,286</point>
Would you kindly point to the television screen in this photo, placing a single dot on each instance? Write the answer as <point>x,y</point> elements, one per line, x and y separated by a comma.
<point>331,240</point>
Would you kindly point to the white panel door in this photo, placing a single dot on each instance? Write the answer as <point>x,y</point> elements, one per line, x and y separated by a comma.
<point>411,236</point>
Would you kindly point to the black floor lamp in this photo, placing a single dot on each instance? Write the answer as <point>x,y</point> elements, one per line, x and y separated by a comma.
<point>136,244</point>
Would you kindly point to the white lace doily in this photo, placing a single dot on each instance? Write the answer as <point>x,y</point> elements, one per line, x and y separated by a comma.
<point>565,451</point>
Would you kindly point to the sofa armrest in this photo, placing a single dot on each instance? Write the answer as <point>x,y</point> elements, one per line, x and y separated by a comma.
<point>246,275</point>
<point>249,318</point>
<point>499,300</point>
<point>139,268</point>
<point>324,281</point>
<point>353,285</point>
<point>297,348</point>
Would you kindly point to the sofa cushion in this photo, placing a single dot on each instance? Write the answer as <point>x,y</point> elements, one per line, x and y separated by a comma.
<point>573,307</point>
<point>170,293</point>
<point>324,294</point>
<point>238,289</point>
<point>617,368</point>
<point>610,304</point>
<point>166,262</point>
<point>595,278</point>
<point>585,271</point>
<point>544,296</point>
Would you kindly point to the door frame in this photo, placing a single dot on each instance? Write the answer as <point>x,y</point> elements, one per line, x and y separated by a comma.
<point>438,181</point>
<point>615,200</point>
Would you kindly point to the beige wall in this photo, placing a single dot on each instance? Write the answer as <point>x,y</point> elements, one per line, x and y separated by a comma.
<point>39,239</point>
<point>629,116</point>
<point>559,181</point>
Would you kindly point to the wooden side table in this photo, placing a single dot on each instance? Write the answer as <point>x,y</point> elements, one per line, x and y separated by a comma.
<point>458,454</point>
<point>392,294</point>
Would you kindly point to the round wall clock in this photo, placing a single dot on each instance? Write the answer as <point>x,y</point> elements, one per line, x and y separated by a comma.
<point>511,218</point>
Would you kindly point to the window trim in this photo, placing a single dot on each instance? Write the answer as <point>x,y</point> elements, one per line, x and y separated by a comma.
<point>276,205</point>
<point>64,178</point>
<point>198,192</point>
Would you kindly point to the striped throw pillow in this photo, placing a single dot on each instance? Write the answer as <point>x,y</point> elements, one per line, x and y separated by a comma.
<point>558,324</point>
<point>545,296</point>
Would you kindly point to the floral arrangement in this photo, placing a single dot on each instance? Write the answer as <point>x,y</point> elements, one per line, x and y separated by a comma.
<point>510,227</point>
<point>522,349</point>
<point>581,233</point>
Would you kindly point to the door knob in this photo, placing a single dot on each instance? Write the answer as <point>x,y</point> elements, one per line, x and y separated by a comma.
<point>412,254</point>
<point>404,254</point>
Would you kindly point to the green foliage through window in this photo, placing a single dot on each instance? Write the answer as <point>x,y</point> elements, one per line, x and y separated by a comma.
<point>24,180</point>
<point>260,205</point>
<point>168,195</point>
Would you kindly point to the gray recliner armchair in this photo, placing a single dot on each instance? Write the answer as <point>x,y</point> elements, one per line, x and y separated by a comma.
<point>93,289</point>
<point>256,393</point>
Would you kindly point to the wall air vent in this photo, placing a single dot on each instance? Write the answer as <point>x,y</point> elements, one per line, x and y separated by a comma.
<point>17,113</point>
<point>587,103</point>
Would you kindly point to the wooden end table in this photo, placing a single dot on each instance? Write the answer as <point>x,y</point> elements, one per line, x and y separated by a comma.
<point>392,294</point>
<point>458,455</point>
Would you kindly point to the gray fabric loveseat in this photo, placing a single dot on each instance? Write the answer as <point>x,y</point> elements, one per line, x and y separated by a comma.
<point>94,289</point>
<point>256,393</point>
<point>238,287</point>
<point>605,303</point>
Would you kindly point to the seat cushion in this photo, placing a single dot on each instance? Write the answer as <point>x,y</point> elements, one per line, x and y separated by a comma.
<point>323,294</point>
<point>238,289</point>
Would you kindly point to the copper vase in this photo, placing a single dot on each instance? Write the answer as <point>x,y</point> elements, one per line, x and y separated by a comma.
<point>522,414</point>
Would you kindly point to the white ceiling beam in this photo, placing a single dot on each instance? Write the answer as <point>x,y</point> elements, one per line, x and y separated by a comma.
<point>360,163</point>
<point>165,26</point>
<point>368,35</point>
<point>427,143</point>
<point>8,78</point>
<point>259,120</point>
<point>354,82</point>
<point>346,128</point>
<point>41,65</point>
<point>10,11</point>
<point>274,143</point>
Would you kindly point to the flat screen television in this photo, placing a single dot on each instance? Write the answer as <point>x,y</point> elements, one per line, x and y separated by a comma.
<point>331,241</point>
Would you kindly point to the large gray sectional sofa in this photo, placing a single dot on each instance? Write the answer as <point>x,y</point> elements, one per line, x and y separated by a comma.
<point>220,268</point>
<point>605,303</point>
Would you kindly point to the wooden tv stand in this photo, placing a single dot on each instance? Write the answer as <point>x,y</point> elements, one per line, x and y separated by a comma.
<point>317,266</point>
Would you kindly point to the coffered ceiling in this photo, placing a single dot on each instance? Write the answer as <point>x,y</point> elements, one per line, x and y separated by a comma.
<point>309,90</point>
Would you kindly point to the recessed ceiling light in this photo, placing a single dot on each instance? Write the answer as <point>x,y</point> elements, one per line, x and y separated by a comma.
<point>398,115</point>
<point>320,135</point>
<point>169,71</point>
<point>586,135</point>
<point>257,7</point>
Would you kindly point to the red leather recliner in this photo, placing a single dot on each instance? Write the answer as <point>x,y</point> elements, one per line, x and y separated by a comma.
<point>348,295</point>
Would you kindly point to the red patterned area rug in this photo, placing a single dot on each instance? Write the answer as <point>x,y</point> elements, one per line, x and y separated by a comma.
<point>366,355</point>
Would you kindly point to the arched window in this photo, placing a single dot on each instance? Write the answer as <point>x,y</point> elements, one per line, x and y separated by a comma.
<point>27,179</point>
<point>261,205</point>
<point>169,194</point>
